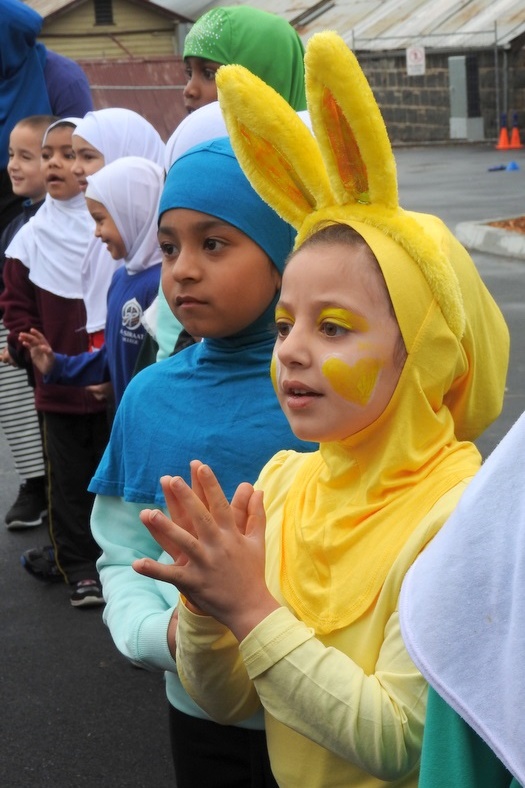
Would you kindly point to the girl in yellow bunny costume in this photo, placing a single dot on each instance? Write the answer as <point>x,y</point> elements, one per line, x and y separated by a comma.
<point>392,354</point>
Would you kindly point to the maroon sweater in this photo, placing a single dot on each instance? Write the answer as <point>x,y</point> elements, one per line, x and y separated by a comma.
<point>62,321</point>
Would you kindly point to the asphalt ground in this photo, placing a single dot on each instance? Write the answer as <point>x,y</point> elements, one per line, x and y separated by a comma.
<point>73,712</point>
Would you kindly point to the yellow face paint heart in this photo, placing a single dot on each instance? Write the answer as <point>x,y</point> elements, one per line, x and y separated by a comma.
<point>273,373</point>
<point>356,383</point>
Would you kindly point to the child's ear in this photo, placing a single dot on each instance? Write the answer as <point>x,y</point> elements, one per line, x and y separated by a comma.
<point>348,125</point>
<point>274,147</point>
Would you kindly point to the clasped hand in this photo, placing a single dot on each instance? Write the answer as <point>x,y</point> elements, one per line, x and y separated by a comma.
<point>217,548</point>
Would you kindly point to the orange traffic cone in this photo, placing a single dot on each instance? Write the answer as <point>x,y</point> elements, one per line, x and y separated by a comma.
<point>503,142</point>
<point>515,141</point>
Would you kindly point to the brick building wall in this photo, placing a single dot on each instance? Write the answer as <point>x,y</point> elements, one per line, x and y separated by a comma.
<point>417,108</point>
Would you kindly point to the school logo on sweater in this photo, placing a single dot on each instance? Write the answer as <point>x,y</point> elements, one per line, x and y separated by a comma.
<point>132,329</point>
<point>131,314</point>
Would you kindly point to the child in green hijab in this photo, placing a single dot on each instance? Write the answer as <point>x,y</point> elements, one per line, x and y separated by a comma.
<point>264,43</point>
<point>269,47</point>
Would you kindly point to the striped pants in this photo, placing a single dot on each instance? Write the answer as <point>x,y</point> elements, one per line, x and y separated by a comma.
<point>19,419</point>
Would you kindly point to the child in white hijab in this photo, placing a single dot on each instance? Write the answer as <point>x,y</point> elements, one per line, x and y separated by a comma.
<point>123,200</point>
<point>43,290</point>
<point>100,138</point>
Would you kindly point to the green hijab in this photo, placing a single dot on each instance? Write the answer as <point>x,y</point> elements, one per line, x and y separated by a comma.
<point>264,43</point>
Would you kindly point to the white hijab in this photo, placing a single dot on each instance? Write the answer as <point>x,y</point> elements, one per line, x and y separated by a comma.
<point>52,244</point>
<point>462,605</point>
<point>115,132</point>
<point>130,189</point>
<point>206,123</point>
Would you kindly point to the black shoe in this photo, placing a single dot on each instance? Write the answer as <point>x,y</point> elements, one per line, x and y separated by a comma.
<point>87,593</point>
<point>30,506</point>
<point>40,562</point>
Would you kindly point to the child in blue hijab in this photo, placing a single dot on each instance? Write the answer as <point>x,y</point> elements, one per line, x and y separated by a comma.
<point>223,254</point>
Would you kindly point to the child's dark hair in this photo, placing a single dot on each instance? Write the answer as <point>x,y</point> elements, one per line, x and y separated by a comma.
<point>340,233</point>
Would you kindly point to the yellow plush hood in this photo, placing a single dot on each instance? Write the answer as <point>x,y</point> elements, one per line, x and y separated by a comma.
<point>346,172</point>
<point>354,503</point>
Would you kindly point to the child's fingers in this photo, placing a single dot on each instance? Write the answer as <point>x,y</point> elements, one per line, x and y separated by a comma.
<point>196,486</point>
<point>239,505</point>
<point>197,518</point>
<point>35,340</point>
<point>169,574</point>
<point>172,505</point>
<point>154,569</point>
<point>176,512</point>
<point>256,521</point>
<point>218,505</point>
<point>36,336</point>
<point>27,339</point>
<point>173,539</point>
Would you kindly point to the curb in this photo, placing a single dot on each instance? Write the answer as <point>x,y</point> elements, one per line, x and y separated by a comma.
<point>493,240</point>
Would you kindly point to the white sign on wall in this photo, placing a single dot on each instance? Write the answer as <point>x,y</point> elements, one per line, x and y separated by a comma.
<point>415,61</point>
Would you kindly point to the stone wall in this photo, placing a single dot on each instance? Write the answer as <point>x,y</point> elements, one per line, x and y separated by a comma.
<point>417,108</point>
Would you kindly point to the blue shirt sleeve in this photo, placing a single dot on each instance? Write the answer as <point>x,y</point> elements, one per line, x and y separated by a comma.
<point>67,86</point>
<point>85,369</point>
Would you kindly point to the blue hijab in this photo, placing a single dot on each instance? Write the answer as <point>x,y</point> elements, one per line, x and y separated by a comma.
<point>23,89</point>
<point>213,401</point>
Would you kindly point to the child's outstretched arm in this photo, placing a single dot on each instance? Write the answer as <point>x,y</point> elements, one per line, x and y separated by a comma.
<point>41,351</point>
<point>87,369</point>
<point>217,547</point>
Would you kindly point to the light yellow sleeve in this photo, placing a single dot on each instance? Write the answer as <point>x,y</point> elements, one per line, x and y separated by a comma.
<point>211,669</point>
<point>376,721</point>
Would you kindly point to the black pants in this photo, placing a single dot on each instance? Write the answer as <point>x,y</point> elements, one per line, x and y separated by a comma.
<point>208,755</point>
<point>73,445</point>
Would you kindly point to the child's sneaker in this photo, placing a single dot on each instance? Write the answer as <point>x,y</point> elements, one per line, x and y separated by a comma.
<point>87,593</point>
<point>30,506</point>
<point>40,562</point>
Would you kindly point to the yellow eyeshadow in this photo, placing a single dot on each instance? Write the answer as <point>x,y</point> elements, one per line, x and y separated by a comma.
<point>343,318</point>
<point>355,384</point>
<point>282,314</point>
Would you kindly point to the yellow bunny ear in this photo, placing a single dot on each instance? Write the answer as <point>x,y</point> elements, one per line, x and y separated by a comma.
<point>346,173</point>
<point>348,125</point>
<point>274,147</point>
<point>358,158</point>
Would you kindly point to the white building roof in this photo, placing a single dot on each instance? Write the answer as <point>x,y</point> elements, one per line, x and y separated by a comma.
<point>380,25</point>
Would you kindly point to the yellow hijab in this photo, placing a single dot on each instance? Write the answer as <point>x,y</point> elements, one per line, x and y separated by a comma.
<point>354,503</point>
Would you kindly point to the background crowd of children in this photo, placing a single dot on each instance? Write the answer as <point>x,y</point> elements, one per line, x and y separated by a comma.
<point>127,253</point>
